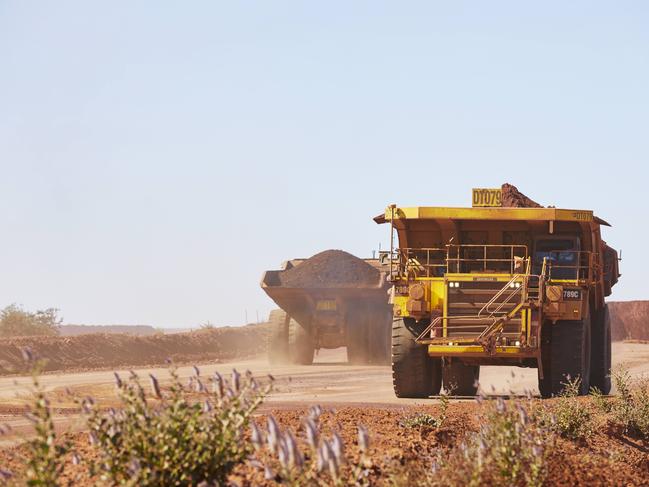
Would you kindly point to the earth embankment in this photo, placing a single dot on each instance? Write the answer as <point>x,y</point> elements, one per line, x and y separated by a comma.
<point>629,320</point>
<point>98,351</point>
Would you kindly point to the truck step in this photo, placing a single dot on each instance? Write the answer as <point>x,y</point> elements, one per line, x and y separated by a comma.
<point>479,305</point>
<point>480,292</point>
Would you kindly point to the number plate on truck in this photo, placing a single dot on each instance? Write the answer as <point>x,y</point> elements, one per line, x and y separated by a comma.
<point>486,197</point>
<point>572,294</point>
<point>326,305</point>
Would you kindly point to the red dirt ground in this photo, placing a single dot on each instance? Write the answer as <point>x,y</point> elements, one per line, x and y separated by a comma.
<point>606,458</point>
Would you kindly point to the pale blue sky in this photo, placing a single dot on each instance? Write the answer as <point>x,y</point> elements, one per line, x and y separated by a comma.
<point>156,157</point>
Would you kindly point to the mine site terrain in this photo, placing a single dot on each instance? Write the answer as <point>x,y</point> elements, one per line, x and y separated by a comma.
<point>350,395</point>
<point>312,396</point>
<point>324,244</point>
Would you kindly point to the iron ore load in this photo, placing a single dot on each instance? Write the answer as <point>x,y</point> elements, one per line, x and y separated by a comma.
<point>505,282</point>
<point>330,300</point>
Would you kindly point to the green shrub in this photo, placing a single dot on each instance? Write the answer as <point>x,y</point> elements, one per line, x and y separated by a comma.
<point>180,436</point>
<point>424,420</point>
<point>631,406</point>
<point>509,450</point>
<point>44,453</point>
<point>15,321</point>
<point>602,403</point>
<point>569,416</point>
<point>420,420</point>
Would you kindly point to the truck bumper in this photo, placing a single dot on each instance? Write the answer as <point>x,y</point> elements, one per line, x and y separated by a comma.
<point>479,351</point>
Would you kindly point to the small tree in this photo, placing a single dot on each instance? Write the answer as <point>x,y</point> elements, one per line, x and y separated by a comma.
<point>15,321</point>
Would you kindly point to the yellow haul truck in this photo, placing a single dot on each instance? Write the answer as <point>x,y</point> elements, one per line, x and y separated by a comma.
<point>489,285</point>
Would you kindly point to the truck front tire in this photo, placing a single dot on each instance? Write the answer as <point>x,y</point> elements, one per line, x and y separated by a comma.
<point>414,373</point>
<point>567,356</point>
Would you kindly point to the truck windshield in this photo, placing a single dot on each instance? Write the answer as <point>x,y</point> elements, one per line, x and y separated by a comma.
<point>561,254</point>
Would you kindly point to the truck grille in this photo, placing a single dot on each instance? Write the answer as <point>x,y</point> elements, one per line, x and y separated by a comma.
<point>466,301</point>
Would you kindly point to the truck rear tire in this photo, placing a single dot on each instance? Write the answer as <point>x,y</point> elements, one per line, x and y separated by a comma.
<point>379,331</point>
<point>460,379</point>
<point>368,339</point>
<point>357,342</point>
<point>567,357</point>
<point>414,373</point>
<point>300,344</point>
<point>600,358</point>
<point>278,337</point>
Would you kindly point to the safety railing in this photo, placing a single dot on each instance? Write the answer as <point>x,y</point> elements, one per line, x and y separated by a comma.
<point>470,258</point>
<point>419,262</point>
<point>568,265</point>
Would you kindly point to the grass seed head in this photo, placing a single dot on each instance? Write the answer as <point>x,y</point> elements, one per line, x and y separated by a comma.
<point>92,438</point>
<point>28,354</point>
<point>291,449</point>
<point>217,385</point>
<point>199,386</point>
<point>311,433</point>
<point>315,412</point>
<point>501,407</point>
<point>155,385</point>
<point>236,380</point>
<point>273,434</point>
<point>338,448</point>
<point>256,436</point>
<point>282,455</point>
<point>363,438</point>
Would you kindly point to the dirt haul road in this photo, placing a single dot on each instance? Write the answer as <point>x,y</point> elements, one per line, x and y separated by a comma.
<point>329,381</point>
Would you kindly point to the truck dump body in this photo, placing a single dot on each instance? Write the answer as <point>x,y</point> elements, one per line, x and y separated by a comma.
<point>489,284</point>
<point>338,300</point>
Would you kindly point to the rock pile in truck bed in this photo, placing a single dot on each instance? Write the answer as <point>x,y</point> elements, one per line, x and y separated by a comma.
<point>331,268</point>
<point>513,198</point>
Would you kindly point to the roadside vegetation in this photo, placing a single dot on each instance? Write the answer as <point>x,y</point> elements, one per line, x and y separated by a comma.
<point>630,407</point>
<point>16,321</point>
<point>510,448</point>
<point>426,420</point>
<point>204,430</point>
